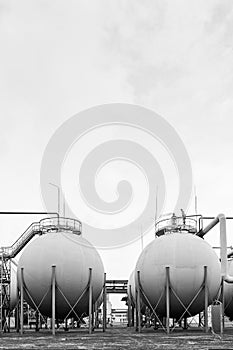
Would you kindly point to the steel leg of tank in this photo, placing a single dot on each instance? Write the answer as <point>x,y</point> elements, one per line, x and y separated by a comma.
<point>138,302</point>
<point>129,309</point>
<point>199,319</point>
<point>96,315</point>
<point>17,320</point>
<point>53,298</point>
<point>133,316</point>
<point>167,299</point>
<point>93,316</point>
<point>136,308</point>
<point>104,304</point>
<point>37,321</point>
<point>206,299</point>
<point>90,300</point>
<point>21,300</point>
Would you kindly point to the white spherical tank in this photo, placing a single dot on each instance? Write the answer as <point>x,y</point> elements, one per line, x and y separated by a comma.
<point>131,288</point>
<point>186,255</point>
<point>131,292</point>
<point>14,296</point>
<point>73,256</point>
<point>228,293</point>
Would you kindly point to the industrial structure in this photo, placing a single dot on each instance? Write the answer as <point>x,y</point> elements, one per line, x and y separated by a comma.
<point>178,275</point>
<point>60,276</point>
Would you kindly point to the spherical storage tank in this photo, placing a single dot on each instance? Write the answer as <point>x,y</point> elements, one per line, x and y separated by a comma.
<point>186,255</point>
<point>73,256</point>
<point>13,288</point>
<point>131,293</point>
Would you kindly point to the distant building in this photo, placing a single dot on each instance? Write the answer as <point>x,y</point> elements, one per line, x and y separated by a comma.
<point>119,317</point>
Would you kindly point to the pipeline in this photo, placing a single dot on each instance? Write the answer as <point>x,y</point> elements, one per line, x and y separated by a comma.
<point>221,219</point>
<point>223,249</point>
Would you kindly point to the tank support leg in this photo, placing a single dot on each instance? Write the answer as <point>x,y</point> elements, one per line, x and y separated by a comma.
<point>90,300</point>
<point>93,317</point>
<point>206,300</point>
<point>132,316</point>
<point>138,301</point>
<point>199,320</point>
<point>104,304</point>
<point>53,298</point>
<point>37,321</point>
<point>167,299</point>
<point>21,300</point>
<point>17,320</point>
<point>136,308</point>
<point>96,315</point>
<point>129,308</point>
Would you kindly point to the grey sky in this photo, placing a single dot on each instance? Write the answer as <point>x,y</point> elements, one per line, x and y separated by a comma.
<point>60,57</point>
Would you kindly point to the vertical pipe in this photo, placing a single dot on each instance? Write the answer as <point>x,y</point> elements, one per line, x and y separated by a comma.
<point>104,304</point>
<point>206,300</point>
<point>223,304</point>
<point>138,302</point>
<point>90,300</point>
<point>53,298</point>
<point>167,299</point>
<point>21,300</point>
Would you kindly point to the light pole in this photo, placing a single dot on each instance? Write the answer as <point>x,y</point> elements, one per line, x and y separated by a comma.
<point>58,196</point>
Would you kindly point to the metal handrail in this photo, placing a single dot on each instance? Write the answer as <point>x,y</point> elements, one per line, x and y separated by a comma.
<point>172,222</point>
<point>61,223</point>
<point>41,227</point>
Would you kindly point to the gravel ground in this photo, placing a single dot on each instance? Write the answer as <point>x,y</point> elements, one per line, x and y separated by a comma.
<point>118,338</point>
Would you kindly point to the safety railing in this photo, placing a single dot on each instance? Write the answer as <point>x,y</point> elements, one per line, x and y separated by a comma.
<point>60,224</point>
<point>171,222</point>
<point>39,228</point>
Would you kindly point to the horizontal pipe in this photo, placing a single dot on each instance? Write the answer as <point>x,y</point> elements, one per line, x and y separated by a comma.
<point>27,213</point>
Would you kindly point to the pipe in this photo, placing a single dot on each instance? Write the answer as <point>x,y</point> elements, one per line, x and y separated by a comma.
<point>221,219</point>
<point>53,298</point>
<point>202,232</point>
<point>28,213</point>
<point>223,250</point>
<point>205,230</point>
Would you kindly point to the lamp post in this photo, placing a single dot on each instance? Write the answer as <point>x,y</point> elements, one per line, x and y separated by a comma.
<point>58,196</point>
